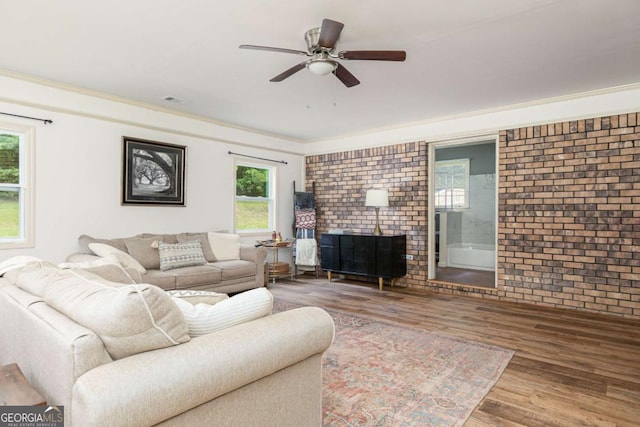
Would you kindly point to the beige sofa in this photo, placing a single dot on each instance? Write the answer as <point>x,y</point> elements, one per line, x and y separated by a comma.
<point>226,273</point>
<point>265,372</point>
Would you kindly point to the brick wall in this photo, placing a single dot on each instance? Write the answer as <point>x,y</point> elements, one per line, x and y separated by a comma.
<point>569,199</point>
<point>569,223</point>
<point>342,179</point>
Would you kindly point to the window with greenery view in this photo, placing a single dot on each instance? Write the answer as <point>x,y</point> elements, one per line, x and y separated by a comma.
<point>255,206</point>
<point>14,202</point>
<point>452,184</point>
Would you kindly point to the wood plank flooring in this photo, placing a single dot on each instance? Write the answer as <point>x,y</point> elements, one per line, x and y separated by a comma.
<point>569,369</point>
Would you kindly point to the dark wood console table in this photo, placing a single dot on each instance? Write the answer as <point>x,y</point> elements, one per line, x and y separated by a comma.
<point>364,255</point>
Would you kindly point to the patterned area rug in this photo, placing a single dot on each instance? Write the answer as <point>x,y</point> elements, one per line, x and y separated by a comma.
<point>385,374</point>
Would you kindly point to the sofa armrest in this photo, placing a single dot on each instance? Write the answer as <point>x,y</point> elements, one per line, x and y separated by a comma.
<point>150,387</point>
<point>253,253</point>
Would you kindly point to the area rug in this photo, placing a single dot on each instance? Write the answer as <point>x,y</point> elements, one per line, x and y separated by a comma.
<point>380,373</point>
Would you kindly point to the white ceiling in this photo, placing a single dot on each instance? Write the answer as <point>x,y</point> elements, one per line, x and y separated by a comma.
<point>462,56</point>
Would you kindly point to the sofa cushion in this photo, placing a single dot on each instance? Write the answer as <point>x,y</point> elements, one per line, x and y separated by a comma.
<point>204,241</point>
<point>144,250</point>
<point>236,269</point>
<point>84,241</point>
<point>162,279</point>
<point>167,238</point>
<point>180,255</point>
<point>126,260</point>
<point>225,246</point>
<point>192,277</point>
<point>34,277</point>
<point>204,318</point>
<point>198,297</point>
<point>129,318</point>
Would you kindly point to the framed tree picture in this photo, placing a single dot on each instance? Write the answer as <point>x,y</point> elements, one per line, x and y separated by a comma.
<point>152,173</point>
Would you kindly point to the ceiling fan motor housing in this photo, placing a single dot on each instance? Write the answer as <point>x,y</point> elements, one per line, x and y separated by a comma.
<point>312,37</point>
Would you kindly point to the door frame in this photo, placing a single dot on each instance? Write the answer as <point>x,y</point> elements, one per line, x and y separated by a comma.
<point>431,211</point>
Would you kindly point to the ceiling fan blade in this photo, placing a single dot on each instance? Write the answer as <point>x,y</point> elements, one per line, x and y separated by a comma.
<point>274,49</point>
<point>329,33</point>
<point>345,76</point>
<point>373,55</point>
<point>280,77</point>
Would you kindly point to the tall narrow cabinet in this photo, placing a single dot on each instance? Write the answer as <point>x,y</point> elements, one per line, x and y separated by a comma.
<point>364,255</point>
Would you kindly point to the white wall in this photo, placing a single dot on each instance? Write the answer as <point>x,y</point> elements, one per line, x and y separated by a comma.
<point>79,167</point>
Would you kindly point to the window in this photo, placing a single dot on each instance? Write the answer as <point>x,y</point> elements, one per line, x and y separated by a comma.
<point>16,195</point>
<point>255,198</point>
<point>452,184</point>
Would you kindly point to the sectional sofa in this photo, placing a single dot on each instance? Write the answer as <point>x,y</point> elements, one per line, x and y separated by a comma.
<point>117,354</point>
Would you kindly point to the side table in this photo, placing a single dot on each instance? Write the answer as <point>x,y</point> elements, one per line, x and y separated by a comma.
<point>15,390</point>
<point>277,269</point>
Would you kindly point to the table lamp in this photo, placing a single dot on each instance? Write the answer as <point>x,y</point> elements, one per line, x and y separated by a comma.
<point>377,198</point>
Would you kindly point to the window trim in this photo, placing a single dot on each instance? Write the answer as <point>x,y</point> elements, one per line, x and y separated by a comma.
<point>272,199</point>
<point>26,184</point>
<point>467,164</point>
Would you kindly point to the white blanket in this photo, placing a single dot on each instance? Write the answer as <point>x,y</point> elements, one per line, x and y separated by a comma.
<point>306,252</point>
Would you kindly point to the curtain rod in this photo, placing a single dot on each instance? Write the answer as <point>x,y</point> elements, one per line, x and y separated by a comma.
<point>45,121</point>
<point>259,158</point>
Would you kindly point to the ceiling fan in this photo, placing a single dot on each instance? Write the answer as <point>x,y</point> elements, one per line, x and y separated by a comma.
<point>321,43</point>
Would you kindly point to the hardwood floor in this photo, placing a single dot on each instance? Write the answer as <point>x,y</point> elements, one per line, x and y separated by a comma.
<point>569,369</point>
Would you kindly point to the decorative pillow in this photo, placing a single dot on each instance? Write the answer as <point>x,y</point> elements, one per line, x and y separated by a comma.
<point>178,255</point>
<point>129,319</point>
<point>204,241</point>
<point>203,318</point>
<point>198,297</point>
<point>225,246</point>
<point>145,251</point>
<point>126,260</point>
<point>85,240</point>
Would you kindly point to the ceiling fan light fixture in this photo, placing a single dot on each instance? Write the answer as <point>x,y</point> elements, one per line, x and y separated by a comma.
<point>321,67</point>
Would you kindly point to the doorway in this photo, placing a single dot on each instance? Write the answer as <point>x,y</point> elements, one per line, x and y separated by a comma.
<point>463,212</point>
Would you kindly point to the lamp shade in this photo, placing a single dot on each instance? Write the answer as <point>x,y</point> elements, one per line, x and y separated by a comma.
<point>377,198</point>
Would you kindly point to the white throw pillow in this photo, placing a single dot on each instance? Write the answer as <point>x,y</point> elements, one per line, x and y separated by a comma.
<point>204,318</point>
<point>225,246</point>
<point>126,260</point>
<point>198,297</point>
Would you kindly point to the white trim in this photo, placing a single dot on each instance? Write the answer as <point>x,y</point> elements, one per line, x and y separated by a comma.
<point>431,209</point>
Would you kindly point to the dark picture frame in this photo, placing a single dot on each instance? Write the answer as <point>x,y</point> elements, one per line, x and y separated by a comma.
<point>152,172</point>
